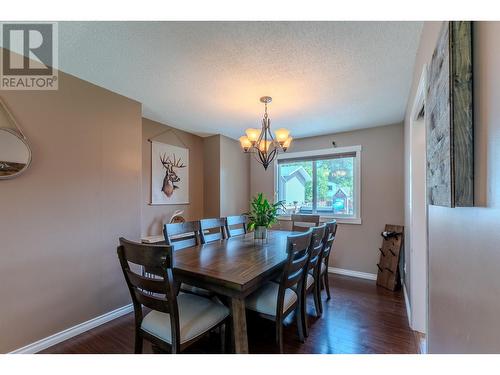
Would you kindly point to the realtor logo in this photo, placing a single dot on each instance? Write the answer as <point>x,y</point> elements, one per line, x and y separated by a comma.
<point>29,56</point>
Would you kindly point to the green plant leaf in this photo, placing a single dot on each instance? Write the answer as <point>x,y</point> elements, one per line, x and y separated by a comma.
<point>262,212</point>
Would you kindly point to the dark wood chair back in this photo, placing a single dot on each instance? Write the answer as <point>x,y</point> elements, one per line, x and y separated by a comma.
<point>216,230</point>
<point>297,246</point>
<point>236,225</point>
<point>316,247</point>
<point>155,293</point>
<point>329,238</point>
<point>182,235</point>
<point>313,220</point>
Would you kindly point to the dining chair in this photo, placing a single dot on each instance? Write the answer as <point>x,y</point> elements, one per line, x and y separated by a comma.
<point>181,236</point>
<point>275,301</point>
<point>312,275</point>
<point>175,321</point>
<point>212,230</point>
<point>236,225</point>
<point>330,233</point>
<point>302,223</point>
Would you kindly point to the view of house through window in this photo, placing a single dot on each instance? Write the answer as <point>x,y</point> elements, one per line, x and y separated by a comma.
<point>324,186</point>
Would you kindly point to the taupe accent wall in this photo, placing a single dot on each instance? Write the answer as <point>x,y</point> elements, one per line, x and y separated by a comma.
<point>227,177</point>
<point>89,184</point>
<point>60,220</point>
<point>464,252</point>
<point>234,178</point>
<point>211,166</point>
<point>153,217</point>
<point>382,191</point>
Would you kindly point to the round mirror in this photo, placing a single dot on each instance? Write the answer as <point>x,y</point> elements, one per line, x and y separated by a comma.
<point>15,154</point>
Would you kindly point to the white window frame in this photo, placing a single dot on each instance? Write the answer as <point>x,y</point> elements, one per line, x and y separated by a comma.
<point>356,218</point>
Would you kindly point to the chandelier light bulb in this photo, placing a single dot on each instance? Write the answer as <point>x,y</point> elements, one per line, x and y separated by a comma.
<point>281,135</point>
<point>264,146</point>
<point>287,143</point>
<point>245,143</point>
<point>252,134</point>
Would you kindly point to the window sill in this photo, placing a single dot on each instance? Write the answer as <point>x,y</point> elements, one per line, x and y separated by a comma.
<point>322,219</point>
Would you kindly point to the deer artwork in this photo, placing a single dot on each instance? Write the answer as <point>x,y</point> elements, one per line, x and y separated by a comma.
<point>170,176</point>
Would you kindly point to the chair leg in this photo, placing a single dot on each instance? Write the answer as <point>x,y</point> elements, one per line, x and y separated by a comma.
<point>138,343</point>
<point>317,290</point>
<point>317,300</point>
<point>300,322</point>
<point>222,335</point>
<point>279,335</point>
<point>304,314</point>
<point>175,349</point>
<point>229,337</point>
<point>327,286</point>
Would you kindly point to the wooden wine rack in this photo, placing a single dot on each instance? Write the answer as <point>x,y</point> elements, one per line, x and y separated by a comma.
<point>388,265</point>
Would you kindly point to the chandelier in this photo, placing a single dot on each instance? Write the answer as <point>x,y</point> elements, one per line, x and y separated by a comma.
<point>261,143</point>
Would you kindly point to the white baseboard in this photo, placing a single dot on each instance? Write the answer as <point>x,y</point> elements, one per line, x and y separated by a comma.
<point>73,331</point>
<point>408,306</point>
<point>358,274</point>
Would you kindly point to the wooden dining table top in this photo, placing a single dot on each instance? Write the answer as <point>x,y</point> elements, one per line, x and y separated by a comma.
<point>239,263</point>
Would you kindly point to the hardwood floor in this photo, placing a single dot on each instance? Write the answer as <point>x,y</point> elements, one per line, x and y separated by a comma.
<point>360,318</point>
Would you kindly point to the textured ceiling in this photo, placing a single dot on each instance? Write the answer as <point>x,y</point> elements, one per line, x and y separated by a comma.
<point>207,77</point>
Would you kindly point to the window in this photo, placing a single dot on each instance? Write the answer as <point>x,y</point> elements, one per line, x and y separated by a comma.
<point>324,182</point>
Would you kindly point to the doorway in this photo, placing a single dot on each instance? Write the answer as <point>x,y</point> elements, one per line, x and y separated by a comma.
<point>418,213</point>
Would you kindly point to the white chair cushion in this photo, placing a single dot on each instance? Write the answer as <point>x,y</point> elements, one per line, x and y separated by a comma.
<point>323,269</point>
<point>265,299</point>
<point>309,282</point>
<point>197,315</point>
<point>194,289</point>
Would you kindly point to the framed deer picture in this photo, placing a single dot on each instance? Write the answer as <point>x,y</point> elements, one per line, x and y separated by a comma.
<point>169,174</point>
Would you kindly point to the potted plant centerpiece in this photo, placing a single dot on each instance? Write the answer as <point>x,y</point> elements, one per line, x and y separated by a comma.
<point>262,215</point>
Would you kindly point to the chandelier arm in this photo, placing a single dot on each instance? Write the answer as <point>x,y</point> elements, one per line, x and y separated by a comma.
<point>263,157</point>
<point>258,157</point>
<point>272,155</point>
<point>265,136</point>
<point>270,133</point>
<point>262,130</point>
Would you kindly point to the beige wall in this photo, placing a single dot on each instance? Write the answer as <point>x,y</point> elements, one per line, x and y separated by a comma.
<point>61,220</point>
<point>211,162</point>
<point>227,177</point>
<point>464,282</point>
<point>234,178</point>
<point>153,217</point>
<point>382,191</point>
<point>89,184</point>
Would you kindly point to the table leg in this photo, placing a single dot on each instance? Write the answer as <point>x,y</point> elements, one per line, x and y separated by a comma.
<point>239,326</point>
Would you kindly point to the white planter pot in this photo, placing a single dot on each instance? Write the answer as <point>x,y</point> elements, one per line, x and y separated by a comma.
<point>260,233</point>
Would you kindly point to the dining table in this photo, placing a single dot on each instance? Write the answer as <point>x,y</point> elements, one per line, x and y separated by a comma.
<point>234,268</point>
